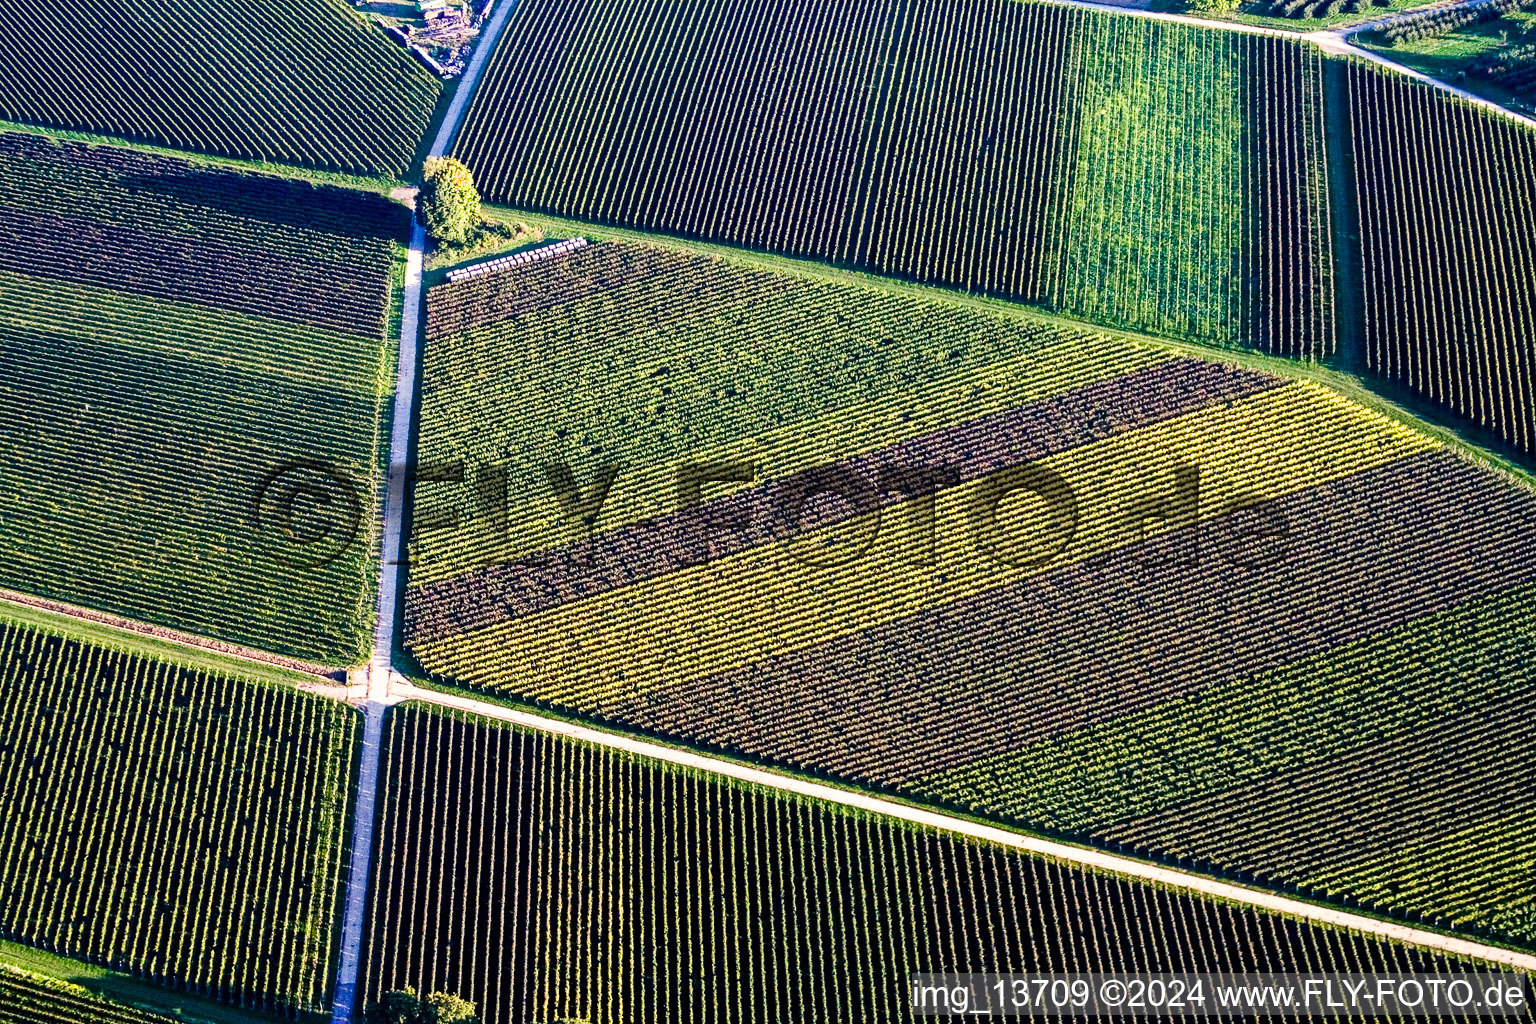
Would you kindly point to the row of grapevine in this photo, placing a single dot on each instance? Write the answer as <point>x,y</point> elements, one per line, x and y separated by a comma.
<point>183,350</point>
<point>1386,771</point>
<point>30,999</point>
<point>963,154</point>
<point>706,623</point>
<point>1435,824</point>
<point>255,244</point>
<point>178,824</point>
<point>1306,709</point>
<point>627,356</point>
<point>1065,649</point>
<point>1152,176</point>
<point>1227,526</point>
<point>764,146</point>
<point>547,880</point>
<point>1448,251</point>
<point>1194,200</point>
<point>776,511</point>
<point>199,75</point>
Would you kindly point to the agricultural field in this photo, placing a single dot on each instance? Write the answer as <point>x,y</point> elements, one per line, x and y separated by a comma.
<point>546,880</point>
<point>877,487</point>
<point>1448,251</point>
<point>303,82</point>
<point>1144,175</point>
<point>1296,15</point>
<point>194,368</point>
<point>31,999</point>
<point>1489,51</point>
<point>181,825</point>
<point>1202,544</point>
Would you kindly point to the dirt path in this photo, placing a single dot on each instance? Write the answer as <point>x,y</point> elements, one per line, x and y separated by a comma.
<point>1084,856</point>
<point>1344,218</point>
<point>175,636</point>
<point>1340,43</point>
<point>391,572</point>
<point>1181,19</point>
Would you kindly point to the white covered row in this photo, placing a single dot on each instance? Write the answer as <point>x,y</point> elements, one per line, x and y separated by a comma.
<point>545,252</point>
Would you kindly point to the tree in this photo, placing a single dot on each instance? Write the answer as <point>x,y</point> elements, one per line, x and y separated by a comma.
<point>443,1008</point>
<point>1215,6</point>
<point>398,1007</point>
<point>403,1006</point>
<point>449,204</point>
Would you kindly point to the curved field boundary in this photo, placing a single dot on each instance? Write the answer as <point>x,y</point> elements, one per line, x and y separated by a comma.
<point>1340,43</point>
<point>1123,866</point>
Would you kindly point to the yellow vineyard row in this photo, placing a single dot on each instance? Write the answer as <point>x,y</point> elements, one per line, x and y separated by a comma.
<point>534,523</point>
<point>771,600</point>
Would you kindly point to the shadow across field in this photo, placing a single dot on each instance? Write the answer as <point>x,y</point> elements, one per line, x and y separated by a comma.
<point>282,202</point>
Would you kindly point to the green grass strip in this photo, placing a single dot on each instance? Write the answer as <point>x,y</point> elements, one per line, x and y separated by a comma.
<point>195,659</point>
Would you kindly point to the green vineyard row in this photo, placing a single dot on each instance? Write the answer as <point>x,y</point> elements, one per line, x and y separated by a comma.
<point>306,82</point>
<point>182,826</point>
<point>29,999</point>
<point>1163,178</point>
<point>170,374</point>
<point>1261,582</point>
<point>1145,175</point>
<point>545,880</point>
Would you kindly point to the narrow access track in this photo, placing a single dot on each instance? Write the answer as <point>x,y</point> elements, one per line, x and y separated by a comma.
<point>173,636</point>
<point>377,692</point>
<point>1088,857</point>
<point>384,686</point>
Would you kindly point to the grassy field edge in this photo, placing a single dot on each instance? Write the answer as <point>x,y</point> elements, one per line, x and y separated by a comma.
<point>126,990</point>
<point>112,637</point>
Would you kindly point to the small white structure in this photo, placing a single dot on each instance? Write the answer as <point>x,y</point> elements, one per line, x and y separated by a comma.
<point>518,259</point>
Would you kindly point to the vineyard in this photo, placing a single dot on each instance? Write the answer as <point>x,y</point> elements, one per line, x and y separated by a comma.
<point>1144,175</point>
<point>1438,21</point>
<point>301,82</point>
<point>1438,832</point>
<point>822,602</point>
<point>1448,251</point>
<point>1074,482</point>
<point>1140,175</point>
<point>547,880</point>
<point>28,999</point>
<point>182,826</point>
<point>182,347</point>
